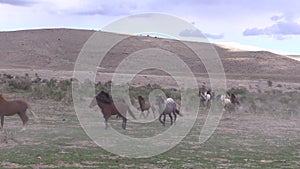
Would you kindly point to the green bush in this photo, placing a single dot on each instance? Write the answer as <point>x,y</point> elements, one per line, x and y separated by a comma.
<point>239,91</point>
<point>19,84</point>
<point>53,89</point>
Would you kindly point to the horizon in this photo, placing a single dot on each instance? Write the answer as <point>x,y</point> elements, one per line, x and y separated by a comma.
<point>255,25</point>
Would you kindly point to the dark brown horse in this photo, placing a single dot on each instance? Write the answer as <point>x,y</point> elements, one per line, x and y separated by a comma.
<point>234,99</point>
<point>10,108</point>
<point>145,105</point>
<point>110,107</point>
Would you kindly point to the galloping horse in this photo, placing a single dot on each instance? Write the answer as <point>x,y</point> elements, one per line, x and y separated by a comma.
<point>10,108</point>
<point>109,107</point>
<point>229,101</point>
<point>233,99</point>
<point>145,105</point>
<point>167,106</point>
<point>205,98</point>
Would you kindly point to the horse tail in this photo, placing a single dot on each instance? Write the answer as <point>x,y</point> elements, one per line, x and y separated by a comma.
<point>131,113</point>
<point>34,115</point>
<point>177,112</point>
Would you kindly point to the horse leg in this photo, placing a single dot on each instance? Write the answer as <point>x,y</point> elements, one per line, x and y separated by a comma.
<point>148,112</point>
<point>165,119</point>
<point>209,103</point>
<point>106,121</point>
<point>170,115</point>
<point>24,119</point>
<point>161,120</point>
<point>2,122</point>
<point>153,112</point>
<point>175,116</point>
<point>142,114</point>
<point>124,123</point>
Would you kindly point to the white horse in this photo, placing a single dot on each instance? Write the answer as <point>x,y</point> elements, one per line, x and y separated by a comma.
<point>167,107</point>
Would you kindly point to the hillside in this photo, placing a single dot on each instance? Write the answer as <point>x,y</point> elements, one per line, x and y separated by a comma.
<point>57,49</point>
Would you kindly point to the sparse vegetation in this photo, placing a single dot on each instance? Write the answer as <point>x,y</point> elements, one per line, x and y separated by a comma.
<point>274,101</point>
<point>68,146</point>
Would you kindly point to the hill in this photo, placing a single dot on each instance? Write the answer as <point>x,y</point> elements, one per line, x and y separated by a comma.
<point>58,49</point>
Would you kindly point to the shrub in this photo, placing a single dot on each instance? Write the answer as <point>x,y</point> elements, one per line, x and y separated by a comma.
<point>270,83</point>
<point>53,89</point>
<point>238,91</point>
<point>19,84</point>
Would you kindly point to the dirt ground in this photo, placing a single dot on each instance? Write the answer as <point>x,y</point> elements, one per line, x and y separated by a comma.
<point>56,140</point>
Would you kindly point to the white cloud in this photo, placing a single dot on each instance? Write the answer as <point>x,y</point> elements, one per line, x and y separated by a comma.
<point>234,46</point>
<point>283,28</point>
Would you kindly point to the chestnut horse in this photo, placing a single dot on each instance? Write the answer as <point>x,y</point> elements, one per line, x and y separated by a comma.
<point>10,108</point>
<point>145,105</point>
<point>109,107</point>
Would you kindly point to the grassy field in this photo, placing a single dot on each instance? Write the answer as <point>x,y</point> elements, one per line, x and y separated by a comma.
<point>242,140</point>
<point>263,133</point>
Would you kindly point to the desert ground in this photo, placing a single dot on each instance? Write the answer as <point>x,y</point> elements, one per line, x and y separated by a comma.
<point>261,133</point>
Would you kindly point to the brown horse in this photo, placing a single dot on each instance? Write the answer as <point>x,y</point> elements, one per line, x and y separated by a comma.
<point>145,105</point>
<point>110,107</point>
<point>10,108</point>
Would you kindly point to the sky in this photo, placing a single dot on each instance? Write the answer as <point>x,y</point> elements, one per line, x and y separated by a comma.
<point>272,25</point>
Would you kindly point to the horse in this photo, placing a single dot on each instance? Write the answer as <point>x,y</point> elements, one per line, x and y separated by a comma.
<point>234,99</point>
<point>145,105</point>
<point>109,107</point>
<point>167,107</point>
<point>10,108</point>
<point>205,98</point>
<point>229,101</point>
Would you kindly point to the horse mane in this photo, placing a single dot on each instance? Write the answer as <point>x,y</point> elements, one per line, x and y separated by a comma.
<point>107,99</point>
<point>141,98</point>
<point>234,99</point>
<point>106,94</point>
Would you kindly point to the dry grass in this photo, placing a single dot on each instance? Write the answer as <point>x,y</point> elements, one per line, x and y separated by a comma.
<point>242,140</point>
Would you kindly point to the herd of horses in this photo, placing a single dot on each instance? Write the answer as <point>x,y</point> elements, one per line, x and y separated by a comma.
<point>229,100</point>
<point>109,107</point>
<point>166,106</point>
